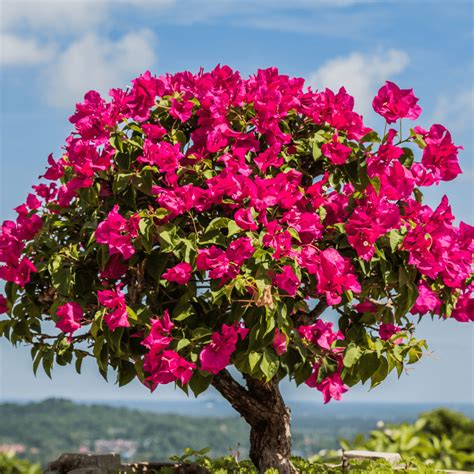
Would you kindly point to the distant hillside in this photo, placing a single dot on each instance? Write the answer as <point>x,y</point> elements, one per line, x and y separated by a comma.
<point>40,431</point>
<point>54,426</point>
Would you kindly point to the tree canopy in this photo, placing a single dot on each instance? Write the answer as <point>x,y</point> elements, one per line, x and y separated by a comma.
<point>198,221</point>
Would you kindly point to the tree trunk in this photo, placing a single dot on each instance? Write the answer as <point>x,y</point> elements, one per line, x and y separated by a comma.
<point>263,408</point>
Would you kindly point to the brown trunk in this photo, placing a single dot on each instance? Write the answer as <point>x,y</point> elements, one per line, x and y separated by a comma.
<point>262,406</point>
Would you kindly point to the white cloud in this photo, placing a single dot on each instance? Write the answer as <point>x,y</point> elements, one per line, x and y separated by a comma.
<point>455,112</point>
<point>15,50</point>
<point>94,62</point>
<point>49,16</point>
<point>361,74</point>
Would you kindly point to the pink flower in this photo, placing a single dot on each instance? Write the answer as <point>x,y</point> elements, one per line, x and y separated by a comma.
<point>181,109</point>
<point>279,342</point>
<point>387,330</point>
<point>366,307</point>
<point>320,334</point>
<point>440,157</point>
<point>159,332</point>
<point>427,301</point>
<point>335,275</point>
<point>166,366</point>
<point>464,310</point>
<point>33,202</point>
<point>164,155</point>
<point>70,315</point>
<point>180,273</point>
<point>3,304</point>
<point>117,232</point>
<point>115,300</point>
<point>55,170</point>
<point>240,250</point>
<point>397,182</point>
<point>308,224</point>
<point>114,268</point>
<point>287,281</point>
<point>244,219</point>
<point>19,273</point>
<point>370,219</point>
<point>213,259</point>
<point>154,131</point>
<point>332,387</point>
<point>216,355</point>
<point>394,103</point>
<point>335,151</point>
<point>269,157</point>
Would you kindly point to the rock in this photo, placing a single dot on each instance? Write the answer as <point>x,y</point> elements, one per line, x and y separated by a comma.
<point>75,463</point>
<point>392,458</point>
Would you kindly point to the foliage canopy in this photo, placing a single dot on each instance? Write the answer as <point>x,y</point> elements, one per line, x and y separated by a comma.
<point>197,221</point>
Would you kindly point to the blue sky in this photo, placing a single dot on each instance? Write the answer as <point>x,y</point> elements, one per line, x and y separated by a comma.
<point>51,52</point>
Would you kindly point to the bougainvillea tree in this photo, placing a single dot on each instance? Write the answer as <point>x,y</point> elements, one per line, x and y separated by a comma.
<point>197,227</point>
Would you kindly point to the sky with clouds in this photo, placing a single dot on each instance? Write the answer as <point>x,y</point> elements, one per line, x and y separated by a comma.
<point>51,52</point>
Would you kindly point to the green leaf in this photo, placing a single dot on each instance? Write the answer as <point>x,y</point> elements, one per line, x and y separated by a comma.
<point>376,184</point>
<point>48,362</point>
<point>199,382</point>
<point>121,182</point>
<point>414,354</point>
<point>99,344</point>
<point>63,280</point>
<point>395,239</point>
<point>183,309</point>
<point>352,355</point>
<point>269,363</point>
<point>126,373</point>
<point>370,137</point>
<point>169,239</point>
<point>407,158</point>
<point>317,153</point>
<point>232,228</point>
<point>11,290</point>
<point>254,359</point>
<point>182,343</point>
<point>37,361</point>
<point>217,223</point>
<point>79,358</point>
<point>368,365</point>
<point>302,373</point>
<point>381,373</point>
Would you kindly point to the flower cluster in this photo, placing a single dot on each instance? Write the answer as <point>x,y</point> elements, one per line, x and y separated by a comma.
<point>164,365</point>
<point>321,335</point>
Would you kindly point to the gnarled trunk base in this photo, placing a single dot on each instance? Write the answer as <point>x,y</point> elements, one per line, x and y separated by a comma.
<point>270,444</point>
<point>263,408</point>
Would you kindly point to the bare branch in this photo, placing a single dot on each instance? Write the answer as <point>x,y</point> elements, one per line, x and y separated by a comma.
<point>306,319</point>
<point>237,395</point>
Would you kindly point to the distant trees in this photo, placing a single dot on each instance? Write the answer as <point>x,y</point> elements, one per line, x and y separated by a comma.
<point>442,437</point>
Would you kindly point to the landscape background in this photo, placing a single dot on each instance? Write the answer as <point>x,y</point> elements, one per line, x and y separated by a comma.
<point>154,431</point>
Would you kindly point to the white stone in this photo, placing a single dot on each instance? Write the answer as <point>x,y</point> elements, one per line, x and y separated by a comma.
<point>392,458</point>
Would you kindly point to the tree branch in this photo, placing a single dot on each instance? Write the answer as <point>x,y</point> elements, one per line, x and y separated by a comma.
<point>237,395</point>
<point>306,319</point>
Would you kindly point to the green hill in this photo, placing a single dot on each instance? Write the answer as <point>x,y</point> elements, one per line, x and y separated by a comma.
<point>49,428</point>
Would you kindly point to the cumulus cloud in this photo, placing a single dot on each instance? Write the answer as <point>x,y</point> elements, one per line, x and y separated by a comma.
<point>29,29</point>
<point>52,15</point>
<point>99,63</point>
<point>455,112</point>
<point>361,74</point>
<point>15,50</point>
